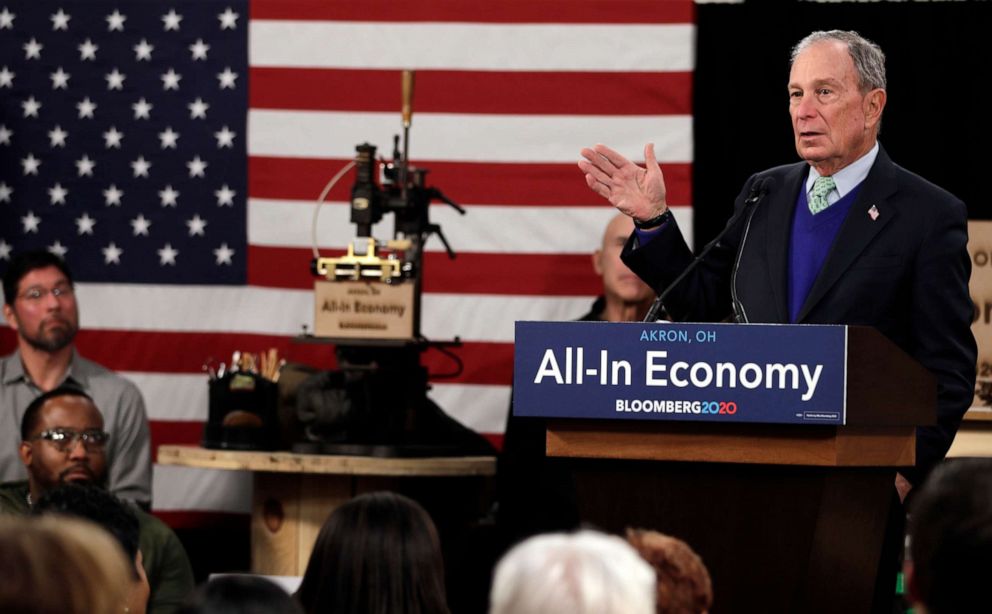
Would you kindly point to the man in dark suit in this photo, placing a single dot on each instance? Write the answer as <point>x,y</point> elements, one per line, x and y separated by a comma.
<point>845,237</point>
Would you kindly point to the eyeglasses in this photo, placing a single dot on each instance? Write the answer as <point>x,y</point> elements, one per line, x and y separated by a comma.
<point>36,293</point>
<point>65,439</point>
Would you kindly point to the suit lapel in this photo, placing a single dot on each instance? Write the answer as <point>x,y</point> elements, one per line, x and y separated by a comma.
<point>858,229</point>
<point>780,208</point>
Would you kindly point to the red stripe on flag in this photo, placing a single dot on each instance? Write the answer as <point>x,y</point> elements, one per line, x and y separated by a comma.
<point>486,363</point>
<point>473,183</point>
<point>491,11</point>
<point>449,91</point>
<point>468,273</point>
<point>191,519</point>
<point>174,433</point>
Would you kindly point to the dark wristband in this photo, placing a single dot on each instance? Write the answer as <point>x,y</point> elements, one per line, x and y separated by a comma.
<point>653,222</point>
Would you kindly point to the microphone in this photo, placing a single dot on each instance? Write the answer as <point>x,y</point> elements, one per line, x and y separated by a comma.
<point>761,186</point>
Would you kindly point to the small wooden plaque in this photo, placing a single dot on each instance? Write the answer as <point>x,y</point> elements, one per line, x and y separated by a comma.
<point>363,310</point>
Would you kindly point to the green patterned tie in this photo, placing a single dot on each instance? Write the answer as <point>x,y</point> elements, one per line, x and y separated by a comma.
<point>818,197</point>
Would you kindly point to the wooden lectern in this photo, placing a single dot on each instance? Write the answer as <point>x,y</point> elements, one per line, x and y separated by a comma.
<point>788,518</point>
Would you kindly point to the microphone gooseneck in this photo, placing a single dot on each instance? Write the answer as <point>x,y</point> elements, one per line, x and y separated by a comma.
<point>761,186</point>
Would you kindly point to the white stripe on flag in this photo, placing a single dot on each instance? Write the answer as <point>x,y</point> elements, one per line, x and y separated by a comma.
<point>481,408</point>
<point>462,46</point>
<point>187,488</point>
<point>467,137</point>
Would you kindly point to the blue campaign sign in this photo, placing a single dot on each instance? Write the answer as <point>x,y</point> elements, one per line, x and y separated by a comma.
<point>773,373</point>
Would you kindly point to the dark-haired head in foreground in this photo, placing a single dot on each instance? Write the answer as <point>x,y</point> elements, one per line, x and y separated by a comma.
<point>377,553</point>
<point>951,537</point>
<point>240,595</point>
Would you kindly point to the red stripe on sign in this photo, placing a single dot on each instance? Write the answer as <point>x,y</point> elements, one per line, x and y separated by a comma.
<point>190,519</point>
<point>450,91</point>
<point>468,273</point>
<point>491,11</point>
<point>474,183</point>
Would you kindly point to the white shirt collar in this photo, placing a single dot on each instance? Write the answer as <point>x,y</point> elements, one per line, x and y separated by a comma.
<point>847,178</point>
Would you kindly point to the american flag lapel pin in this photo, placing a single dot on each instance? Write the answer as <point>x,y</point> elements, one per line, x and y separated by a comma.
<point>873,213</point>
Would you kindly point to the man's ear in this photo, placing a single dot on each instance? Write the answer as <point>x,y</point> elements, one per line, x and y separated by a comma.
<point>26,453</point>
<point>597,264</point>
<point>10,316</point>
<point>874,104</point>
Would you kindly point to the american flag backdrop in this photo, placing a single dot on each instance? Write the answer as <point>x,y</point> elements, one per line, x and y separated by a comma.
<point>174,151</point>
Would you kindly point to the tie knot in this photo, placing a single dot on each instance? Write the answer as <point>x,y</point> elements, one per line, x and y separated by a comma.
<point>818,197</point>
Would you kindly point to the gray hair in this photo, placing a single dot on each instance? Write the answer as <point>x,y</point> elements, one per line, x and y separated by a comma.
<point>869,61</point>
<point>581,573</point>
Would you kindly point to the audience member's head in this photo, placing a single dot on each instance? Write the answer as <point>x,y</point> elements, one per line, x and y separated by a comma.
<point>626,296</point>
<point>580,573</point>
<point>40,302</point>
<point>950,533</point>
<point>684,585</point>
<point>90,502</point>
<point>62,440</point>
<point>240,594</point>
<point>60,566</point>
<point>378,552</point>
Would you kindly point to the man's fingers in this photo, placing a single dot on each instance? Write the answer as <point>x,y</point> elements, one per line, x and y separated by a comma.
<point>649,159</point>
<point>590,169</point>
<point>597,187</point>
<point>593,158</point>
<point>613,157</point>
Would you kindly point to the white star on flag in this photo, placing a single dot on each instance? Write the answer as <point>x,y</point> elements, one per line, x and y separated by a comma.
<point>196,167</point>
<point>168,137</point>
<point>167,255</point>
<point>112,196</point>
<point>112,138</point>
<point>32,49</point>
<point>6,77</point>
<point>31,107</point>
<point>5,134</point>
<point>170,80</point>
<point>227,78</point>
<point>140,167</point>
<point>198,109</point>
<point>223,254</point>
<point>228,19</point>
<point>86,108</point>
<point>115,21</point>
<point>5,192</point>
<point>60,79</point>
<point>199,49</point>
<point>87,51</point>
<point>142,109</point>
<point>6,19</point>
<point>168,196</point>
<point>57,194</point>
<point>57,136</point>
<point>143,51</point>
<point>30,222</point>
<point>225,196</point>
<point>5,250</point>
<point>112,254</point>
<point>30,164</point>
<point>58,249</point>
<point>196,225</point>
<point>115,80</point>
<point>225,137</point>
<point>140,225</point>
<point>60,21</point>
<point>85,224</point>
<point>171,20</point>
<point>84,166</point>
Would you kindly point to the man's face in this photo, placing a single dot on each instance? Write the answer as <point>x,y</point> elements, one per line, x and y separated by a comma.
<point>47,465</point>
<point>833,122</point>
<point>619,282</point>
<point>44,312</point>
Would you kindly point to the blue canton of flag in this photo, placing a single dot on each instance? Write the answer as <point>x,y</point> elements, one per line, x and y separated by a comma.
<point>122,137</point>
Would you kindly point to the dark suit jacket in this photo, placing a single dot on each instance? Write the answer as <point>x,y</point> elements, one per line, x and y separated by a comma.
<point>904,273</point>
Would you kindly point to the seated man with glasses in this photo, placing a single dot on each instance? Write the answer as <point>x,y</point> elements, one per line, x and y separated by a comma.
<point>40,305</point>
<point>63,441</point>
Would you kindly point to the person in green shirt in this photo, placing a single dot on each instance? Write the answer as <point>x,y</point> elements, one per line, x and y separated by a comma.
<point>63,442</point>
